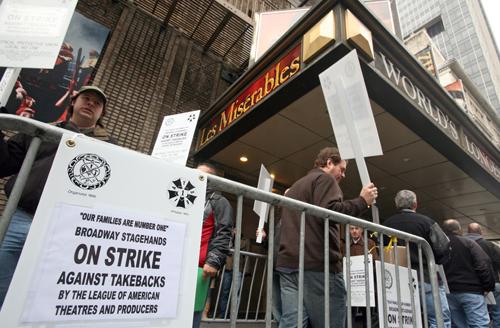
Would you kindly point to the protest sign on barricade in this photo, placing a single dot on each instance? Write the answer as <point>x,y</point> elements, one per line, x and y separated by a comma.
<point>407,315</point>
<point>175,137</point>
<point>358,278</point>
<point>115,240</point>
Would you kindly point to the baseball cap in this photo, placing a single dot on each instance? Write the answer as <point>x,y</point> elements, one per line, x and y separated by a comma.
<point>88,88</point>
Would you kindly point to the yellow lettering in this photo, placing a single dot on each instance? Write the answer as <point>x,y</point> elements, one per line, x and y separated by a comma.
<point>295,66</point>
<point>210,134</point>
<point>257,92</point>
<point>241,109</point>
<point>283,71</point>
<point>277,78</point>
<point>268,80</point>
<point>246,105</point>
<point>224,119</point>
<point>259,96</point>
<point>203,140</point>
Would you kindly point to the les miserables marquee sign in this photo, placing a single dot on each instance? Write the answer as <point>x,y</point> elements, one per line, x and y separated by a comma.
<point>247,100</point>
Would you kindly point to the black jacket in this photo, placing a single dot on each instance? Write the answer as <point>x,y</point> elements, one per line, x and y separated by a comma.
<point>489,248</point>
<point>469,269</point>
<point>13,152</point>
<point>425,227</point>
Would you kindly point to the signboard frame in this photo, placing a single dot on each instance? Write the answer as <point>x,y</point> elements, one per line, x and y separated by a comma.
<point>106,185</point>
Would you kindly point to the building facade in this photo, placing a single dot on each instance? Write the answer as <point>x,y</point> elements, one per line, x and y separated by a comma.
<point>166,57</point>
<point>460,30</point>
<point>452,77</point>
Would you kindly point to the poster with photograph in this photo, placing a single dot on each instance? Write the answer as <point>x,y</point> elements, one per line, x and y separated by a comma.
<point>45,94</point>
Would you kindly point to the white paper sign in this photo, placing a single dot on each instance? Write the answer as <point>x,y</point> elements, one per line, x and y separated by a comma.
<point>348,103</point>
<point>261,208</point>
<point>106,264</point>
<point>175,137</point>
<point>115,241</point>
<point>392,299</point>
<point>358,286</point>
<point>32,31</point>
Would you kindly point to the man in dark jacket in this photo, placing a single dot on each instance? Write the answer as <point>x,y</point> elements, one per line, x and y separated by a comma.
<point>408,220</point>
<point>470,275</point>
<point>86,110</point>
<point>215,233</point>
<point>319,187</point>
<point>493,251</point>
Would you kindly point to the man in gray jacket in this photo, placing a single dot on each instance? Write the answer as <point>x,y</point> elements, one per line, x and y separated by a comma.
<point>319,187</point>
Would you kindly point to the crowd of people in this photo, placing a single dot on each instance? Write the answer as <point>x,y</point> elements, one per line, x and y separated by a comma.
<point>471,263</point>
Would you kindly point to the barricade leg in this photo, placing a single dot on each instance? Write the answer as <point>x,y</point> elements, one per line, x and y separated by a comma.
<point>17,190</point>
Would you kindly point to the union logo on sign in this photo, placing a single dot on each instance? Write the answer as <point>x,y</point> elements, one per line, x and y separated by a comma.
<point>89,171</point>
<point>388,279</point>
<point>182,193</point>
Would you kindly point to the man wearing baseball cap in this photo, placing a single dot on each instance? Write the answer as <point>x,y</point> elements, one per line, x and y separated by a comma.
<point>85,113</point>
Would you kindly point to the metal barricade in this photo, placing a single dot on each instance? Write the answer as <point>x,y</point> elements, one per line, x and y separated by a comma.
<point>243,191</point>
<point>250,290</point>
<point>44,132</point>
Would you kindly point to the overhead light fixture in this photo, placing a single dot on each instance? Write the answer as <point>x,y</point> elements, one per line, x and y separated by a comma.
<point>272,175</point>
<point>243,159</point>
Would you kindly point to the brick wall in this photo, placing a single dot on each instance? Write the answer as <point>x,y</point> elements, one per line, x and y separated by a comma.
<point>148,71</point>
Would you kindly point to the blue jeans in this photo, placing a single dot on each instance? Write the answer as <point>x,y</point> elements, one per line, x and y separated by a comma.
<point>494,309</point>
<point>276,297</point>
<point>11,248</point>
<point>314,307</point>
<point>431,313</point>
<point>468,310</point>
<point>226,284</point>
<point>197,318</point>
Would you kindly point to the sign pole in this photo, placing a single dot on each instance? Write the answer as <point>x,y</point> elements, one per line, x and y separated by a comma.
<point>351,115</point>
<point>355,142</point>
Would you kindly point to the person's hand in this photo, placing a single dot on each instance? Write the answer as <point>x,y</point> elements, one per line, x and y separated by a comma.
<point>369,193</point>
<point>208,271</point>
<point>264,234</point>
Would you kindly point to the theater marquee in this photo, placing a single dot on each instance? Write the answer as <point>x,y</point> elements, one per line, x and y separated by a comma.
<point>446,123</point>
<point>246,101</point>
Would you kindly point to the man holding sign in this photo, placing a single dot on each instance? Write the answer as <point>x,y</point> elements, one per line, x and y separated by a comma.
<point>86,110</point>
<point>319,187</point>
